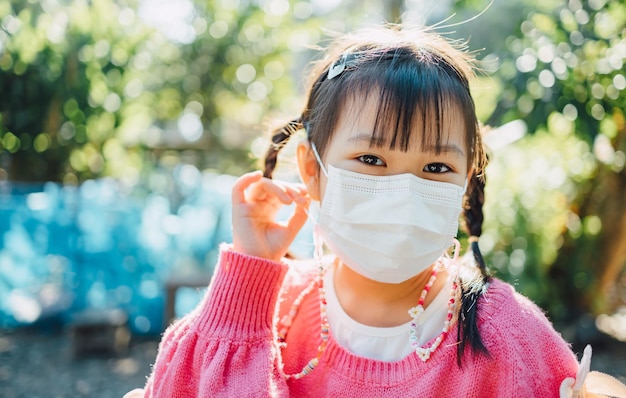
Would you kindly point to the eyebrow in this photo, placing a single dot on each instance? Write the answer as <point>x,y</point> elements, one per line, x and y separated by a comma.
<point>446,148</point>
<point>365,137</point>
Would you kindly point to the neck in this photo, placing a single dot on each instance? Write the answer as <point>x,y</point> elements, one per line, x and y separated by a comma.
<point>380,304</point>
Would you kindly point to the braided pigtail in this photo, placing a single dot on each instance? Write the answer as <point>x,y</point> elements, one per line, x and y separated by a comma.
<point>473,214</point>
<point>467,327</point>
<point>279,139</point>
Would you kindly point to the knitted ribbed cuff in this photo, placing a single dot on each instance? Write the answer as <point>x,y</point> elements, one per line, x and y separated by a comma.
<point>241,299</point>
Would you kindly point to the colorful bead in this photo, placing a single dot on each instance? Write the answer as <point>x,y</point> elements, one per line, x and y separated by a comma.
<point>424,353</point>
<point>324,327</point>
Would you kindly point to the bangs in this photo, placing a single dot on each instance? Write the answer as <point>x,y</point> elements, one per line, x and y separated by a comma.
<point>417,88</point>
<point>412,98</point>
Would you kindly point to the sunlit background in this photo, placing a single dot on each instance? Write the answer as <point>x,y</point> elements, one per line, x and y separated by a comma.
<point>122,124</point>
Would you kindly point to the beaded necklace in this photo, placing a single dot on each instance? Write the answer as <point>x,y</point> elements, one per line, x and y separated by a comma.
<point>423,353</point>
<point>325,327</point>
<point>451,264</point>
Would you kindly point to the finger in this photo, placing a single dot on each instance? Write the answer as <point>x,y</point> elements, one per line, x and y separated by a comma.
<point>298,217</point>
<point>295,186</point>
<point>267,188</point>
<point>239,188</point>
<point>297,189</point>
<point>297,193</point>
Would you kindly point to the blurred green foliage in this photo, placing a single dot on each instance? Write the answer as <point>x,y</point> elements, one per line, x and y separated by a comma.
<point>103,87</point>
<point>561,194</point>
<point>64,70</point>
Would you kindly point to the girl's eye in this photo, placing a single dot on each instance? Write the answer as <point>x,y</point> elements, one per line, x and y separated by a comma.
<point>371,160</point>
<point>436,168</point>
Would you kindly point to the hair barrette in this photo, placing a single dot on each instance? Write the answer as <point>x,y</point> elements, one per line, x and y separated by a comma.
<point>338,67</point>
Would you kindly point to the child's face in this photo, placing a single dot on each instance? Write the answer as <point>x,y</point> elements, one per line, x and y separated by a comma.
<point>350,149</point>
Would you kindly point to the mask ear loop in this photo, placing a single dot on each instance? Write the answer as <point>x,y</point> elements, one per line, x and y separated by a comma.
<point>318,246</point>
<point>318,249</point>
<point>452,264</point>
<point>457,249</point>
<point>308,213</point>
<point>318,243</point>
<point>318,158</point>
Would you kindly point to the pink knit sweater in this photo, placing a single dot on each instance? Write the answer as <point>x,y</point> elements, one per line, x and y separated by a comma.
<point>226,347</point>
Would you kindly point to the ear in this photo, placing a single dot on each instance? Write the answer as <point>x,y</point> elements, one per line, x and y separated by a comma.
<point>309,169</point>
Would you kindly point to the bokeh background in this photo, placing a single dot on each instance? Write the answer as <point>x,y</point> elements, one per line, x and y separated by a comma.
<point>122,124</point>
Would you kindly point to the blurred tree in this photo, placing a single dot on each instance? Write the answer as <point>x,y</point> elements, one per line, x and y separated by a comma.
<point>105,87</point>
<point>564,74</point>
<point>62,76</point>
<point>556,203</point>
<point>237,74</point>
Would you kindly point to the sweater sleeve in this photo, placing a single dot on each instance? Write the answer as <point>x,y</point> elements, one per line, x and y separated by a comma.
<point>531,356</point>
<point>225,347</point>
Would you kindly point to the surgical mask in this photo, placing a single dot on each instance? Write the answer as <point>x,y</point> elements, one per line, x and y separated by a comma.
<point>388,228</point>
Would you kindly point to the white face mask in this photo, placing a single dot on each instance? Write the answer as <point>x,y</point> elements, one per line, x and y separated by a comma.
<point>388,228</point>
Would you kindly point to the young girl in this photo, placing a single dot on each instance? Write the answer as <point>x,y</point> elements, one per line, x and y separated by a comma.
<point>394,155</point>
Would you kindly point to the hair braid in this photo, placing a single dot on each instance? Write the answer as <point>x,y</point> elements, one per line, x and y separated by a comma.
<point>473,214</point>
<point>279,140</point>
<point>467,329</point>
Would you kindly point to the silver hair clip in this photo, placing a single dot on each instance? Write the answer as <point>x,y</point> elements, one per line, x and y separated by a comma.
<point>337,68</point>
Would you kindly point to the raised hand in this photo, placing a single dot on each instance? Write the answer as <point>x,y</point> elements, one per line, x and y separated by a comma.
<point>256,201</point>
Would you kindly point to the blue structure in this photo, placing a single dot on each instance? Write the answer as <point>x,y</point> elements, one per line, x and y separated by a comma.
<point>67,249</point>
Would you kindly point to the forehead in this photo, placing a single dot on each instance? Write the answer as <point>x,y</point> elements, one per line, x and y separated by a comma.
<point>369,119</point>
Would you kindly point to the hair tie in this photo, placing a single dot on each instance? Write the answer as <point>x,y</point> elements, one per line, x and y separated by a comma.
<point>473,239</point>
<point>293,126</point>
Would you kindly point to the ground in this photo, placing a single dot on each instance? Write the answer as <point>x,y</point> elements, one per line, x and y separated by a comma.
<point>35,364</point>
